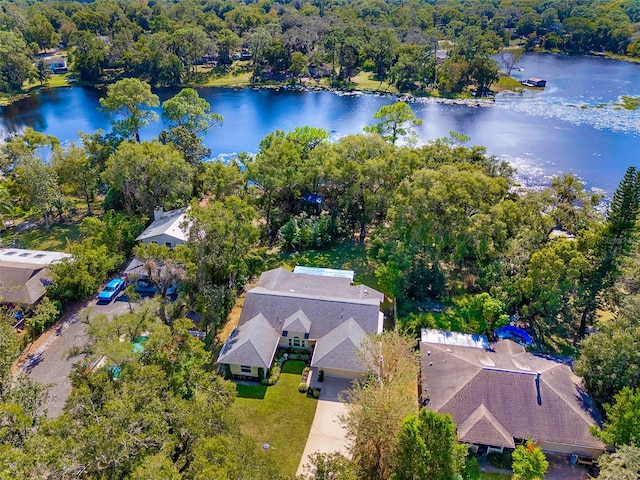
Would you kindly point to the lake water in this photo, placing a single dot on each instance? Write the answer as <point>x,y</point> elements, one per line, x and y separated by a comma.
<point>570,126</point>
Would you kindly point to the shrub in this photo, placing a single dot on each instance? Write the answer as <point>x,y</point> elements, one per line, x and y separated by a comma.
<point>274,376</point>
<point>302,387</point>
<point>44,315</point>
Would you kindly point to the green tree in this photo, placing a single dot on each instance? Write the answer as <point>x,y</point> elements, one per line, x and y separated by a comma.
<point>77,171</point>
<point>397,121</point>
<point>379,404</point>
<point>44,315</point>
<point>622,426</point>
<point>382,48</point>
<point>609,359</point>
<point>41,32</point>
<point>614,243</point>
<point>80,277</point>
<point>187,109</point>
<point>149,174</point>
<point>115,230</point>
<point>43,72</point>
<point>9,350</point>
<point>428,448</point>
<point>529,463</point>
<point>15,63</point>
<point>38,186</point>
<point>330,466</point>
<point>164,268</point>
<point>127,98</point>
<point>623,464</point>
<point>88,56</point>
<point>190,44</point>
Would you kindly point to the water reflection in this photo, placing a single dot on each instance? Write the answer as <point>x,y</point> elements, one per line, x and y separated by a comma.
<point>542,133</point>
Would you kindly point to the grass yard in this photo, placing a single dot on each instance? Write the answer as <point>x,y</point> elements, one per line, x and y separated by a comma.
<point>365,81</point>
<point>39,239</point>
<point>278,415</point>
<point>345,255</point>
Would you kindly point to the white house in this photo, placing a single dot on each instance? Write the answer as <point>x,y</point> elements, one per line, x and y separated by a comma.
<point>168,228</point>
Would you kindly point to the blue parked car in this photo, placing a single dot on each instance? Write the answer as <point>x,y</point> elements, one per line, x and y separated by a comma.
<point>110,291</point>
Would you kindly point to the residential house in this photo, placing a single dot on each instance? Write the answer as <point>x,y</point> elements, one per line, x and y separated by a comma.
<point>168,228</point>
<point>320,310</point>
<point>24,275</point>
<point>500,395</point>
<point>57,63</point>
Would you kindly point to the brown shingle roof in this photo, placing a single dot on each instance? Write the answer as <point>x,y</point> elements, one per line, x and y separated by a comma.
<point>492,394</point>
<point>22,282</point>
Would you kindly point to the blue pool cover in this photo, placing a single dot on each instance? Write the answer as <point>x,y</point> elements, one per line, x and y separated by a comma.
<point>514,333</point>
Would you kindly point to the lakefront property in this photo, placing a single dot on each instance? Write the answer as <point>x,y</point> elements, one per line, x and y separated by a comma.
<point>326,315</point>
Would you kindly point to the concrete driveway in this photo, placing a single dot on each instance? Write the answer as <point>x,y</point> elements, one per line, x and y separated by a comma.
<point>47,359</point>
<point>327,434</point>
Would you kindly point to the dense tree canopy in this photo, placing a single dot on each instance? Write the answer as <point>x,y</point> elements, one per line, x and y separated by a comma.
<point>168,44</point>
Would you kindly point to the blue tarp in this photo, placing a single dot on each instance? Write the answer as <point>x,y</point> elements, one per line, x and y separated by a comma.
<point>514,333</point>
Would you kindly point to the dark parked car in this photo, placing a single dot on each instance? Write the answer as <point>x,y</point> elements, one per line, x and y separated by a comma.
<point>144,286</point>
<point>110,291</point>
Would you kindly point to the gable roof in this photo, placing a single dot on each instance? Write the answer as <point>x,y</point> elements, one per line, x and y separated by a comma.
<point>497,395</point>
<point>298,322</point>
<point>23,274</point>
<point>337,349</point>
<point>330,309</point>
<point>253,343</point>
<point>170,223</point>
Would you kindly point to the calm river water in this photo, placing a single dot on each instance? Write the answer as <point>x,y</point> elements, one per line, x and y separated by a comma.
<point>570,126</point>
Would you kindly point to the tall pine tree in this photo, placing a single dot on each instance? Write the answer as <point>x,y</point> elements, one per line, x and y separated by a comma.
<point>615,242</point>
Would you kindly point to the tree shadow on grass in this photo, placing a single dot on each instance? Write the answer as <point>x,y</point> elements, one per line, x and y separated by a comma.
<point>254,390</point>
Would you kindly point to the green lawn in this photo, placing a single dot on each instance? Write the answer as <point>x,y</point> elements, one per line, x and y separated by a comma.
<point>278,415</point>
<point>365,81</point>
<point>39,239</point>
<point>346,255</point>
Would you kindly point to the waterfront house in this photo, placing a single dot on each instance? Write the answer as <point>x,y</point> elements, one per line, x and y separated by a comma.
<point>500,395</point>
<point>57,63</point>
<point>318,310</point>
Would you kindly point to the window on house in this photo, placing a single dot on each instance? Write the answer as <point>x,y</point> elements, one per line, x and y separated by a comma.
<point>291,342</point>
<point>306,336</point>
<point>245,368</point>
<point>167,244</point>
<point>285,333</point>
<point>296,341</point>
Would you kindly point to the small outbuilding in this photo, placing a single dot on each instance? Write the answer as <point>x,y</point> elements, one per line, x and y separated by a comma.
<point>535,82</point>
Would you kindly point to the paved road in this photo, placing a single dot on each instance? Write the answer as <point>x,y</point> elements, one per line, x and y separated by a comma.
<point>47,359</point>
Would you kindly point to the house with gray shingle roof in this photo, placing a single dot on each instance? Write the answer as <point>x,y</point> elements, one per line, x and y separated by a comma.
<point>24,274</point>
<point>168,228</point>
<point>326,315</point>
<point>500,395</point>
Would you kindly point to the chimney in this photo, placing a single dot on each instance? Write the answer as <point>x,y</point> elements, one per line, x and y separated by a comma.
<point>157,213</point>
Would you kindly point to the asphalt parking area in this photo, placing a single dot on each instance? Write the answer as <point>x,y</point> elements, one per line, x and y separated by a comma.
<point>47,360</point>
